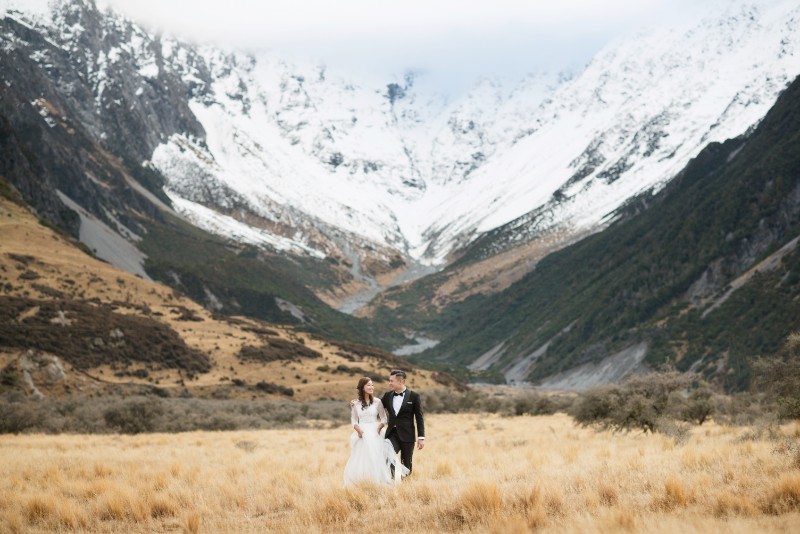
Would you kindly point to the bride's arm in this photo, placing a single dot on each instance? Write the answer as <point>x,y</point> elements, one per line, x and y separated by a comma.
<point>382,415</point>
<point>354,419</point>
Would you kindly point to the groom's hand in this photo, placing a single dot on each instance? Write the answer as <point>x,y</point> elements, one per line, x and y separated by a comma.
<point>420,443</point>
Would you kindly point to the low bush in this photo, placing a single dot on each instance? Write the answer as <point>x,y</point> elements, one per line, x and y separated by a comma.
<point>16,417</point>
<point>646,402</point>
<point>353,371</point>
<point>276,349</point>
<point>100,335</point>
<point>269,387</point>
<point>743,409</point>
<point>779,377</point>
<point>597,404</point>
<point>134,416</point>
<point>522,402</point>
<point>699,406</point>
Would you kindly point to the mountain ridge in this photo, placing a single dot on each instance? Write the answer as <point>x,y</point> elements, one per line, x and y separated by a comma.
<point>274,189</point>
<point>300,144</point>
<point>704,278</point>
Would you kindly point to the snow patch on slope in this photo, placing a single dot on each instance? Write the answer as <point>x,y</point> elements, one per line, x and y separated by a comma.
<point>219,224</point>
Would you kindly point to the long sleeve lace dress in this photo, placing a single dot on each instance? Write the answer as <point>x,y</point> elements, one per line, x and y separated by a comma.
<point>369,455</point>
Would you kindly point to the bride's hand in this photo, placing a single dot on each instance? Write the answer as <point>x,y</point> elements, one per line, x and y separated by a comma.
<point>353,402</point>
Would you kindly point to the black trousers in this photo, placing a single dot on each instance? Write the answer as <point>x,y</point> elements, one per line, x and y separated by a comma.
<point>406,449</point>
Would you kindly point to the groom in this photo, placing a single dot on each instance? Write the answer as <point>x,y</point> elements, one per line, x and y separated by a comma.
<point>403,407</point>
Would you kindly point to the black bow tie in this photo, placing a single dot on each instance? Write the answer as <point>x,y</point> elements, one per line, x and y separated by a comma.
<point>399,394</point>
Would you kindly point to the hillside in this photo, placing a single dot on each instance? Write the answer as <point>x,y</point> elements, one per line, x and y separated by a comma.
<point>71,324</point>
<point>703,274</point>
<point>95,188</point>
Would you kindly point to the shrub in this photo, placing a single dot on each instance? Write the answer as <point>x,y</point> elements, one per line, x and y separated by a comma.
<point>276,349</point>
<point>269,387</point>
<point>217,422</point>
<point>115,413</point>
<point>134,417</point>
<point>645,401</point>
<point>535,404</point>
<point>104,337</point>
<point>10,377</point>
<point>699,406</point>
<point>511,404</point>
<point>780,377</point>
<point>352,371</point>
<point>743,409</point>
<point>596,404</point>
<point>18,417</point>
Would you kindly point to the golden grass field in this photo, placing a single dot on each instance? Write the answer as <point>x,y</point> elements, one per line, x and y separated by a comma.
<point>478,473</point>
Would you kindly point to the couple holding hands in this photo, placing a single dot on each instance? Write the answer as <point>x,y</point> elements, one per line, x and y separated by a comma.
<point>373,452</point>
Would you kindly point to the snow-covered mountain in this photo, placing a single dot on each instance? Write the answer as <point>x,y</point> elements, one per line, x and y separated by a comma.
<point>415,172</point>
<point>631,120</point>
<point>297,157</point>
<point>361,157</point>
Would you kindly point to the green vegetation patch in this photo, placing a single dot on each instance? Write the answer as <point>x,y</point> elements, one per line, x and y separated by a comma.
<point>88,334</point>
<point>275,350</point>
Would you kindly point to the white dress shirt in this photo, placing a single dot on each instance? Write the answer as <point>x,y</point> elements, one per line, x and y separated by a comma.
<point>397,401</point>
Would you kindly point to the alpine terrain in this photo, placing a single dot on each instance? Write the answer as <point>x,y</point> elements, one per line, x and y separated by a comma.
<point>593,219</point>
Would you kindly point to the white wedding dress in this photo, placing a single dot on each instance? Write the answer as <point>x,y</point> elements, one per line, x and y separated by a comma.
<point>371,454</point>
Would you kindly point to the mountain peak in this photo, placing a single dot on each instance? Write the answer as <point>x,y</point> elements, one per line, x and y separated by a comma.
<point>386,164</point>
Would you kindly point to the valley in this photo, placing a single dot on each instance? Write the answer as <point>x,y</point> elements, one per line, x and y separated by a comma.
<point>265,213</point>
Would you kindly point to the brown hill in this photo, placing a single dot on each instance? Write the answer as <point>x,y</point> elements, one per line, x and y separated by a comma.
<point>73,325</point>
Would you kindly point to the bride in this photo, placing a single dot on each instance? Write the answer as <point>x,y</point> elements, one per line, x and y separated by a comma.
<point>370,453</point>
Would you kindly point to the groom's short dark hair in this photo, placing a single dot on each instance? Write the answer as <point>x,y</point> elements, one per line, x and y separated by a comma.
<point>398,372</point>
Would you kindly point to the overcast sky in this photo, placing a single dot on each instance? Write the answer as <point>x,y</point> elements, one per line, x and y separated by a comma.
<point>455,39</point>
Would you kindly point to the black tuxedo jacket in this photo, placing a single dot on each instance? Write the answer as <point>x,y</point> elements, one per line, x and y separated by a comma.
<point>403,421</point>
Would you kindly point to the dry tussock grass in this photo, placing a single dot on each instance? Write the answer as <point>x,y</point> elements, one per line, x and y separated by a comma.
<point>478,473</point>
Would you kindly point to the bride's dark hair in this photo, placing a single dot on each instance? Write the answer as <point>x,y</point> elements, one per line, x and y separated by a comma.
<point>362,395</point>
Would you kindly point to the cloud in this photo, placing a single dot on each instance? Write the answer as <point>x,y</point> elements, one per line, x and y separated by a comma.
<point>273,23</point>
<point>460,37</point>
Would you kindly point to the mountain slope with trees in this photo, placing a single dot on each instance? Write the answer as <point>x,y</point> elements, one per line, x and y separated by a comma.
<point>682,270</point>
